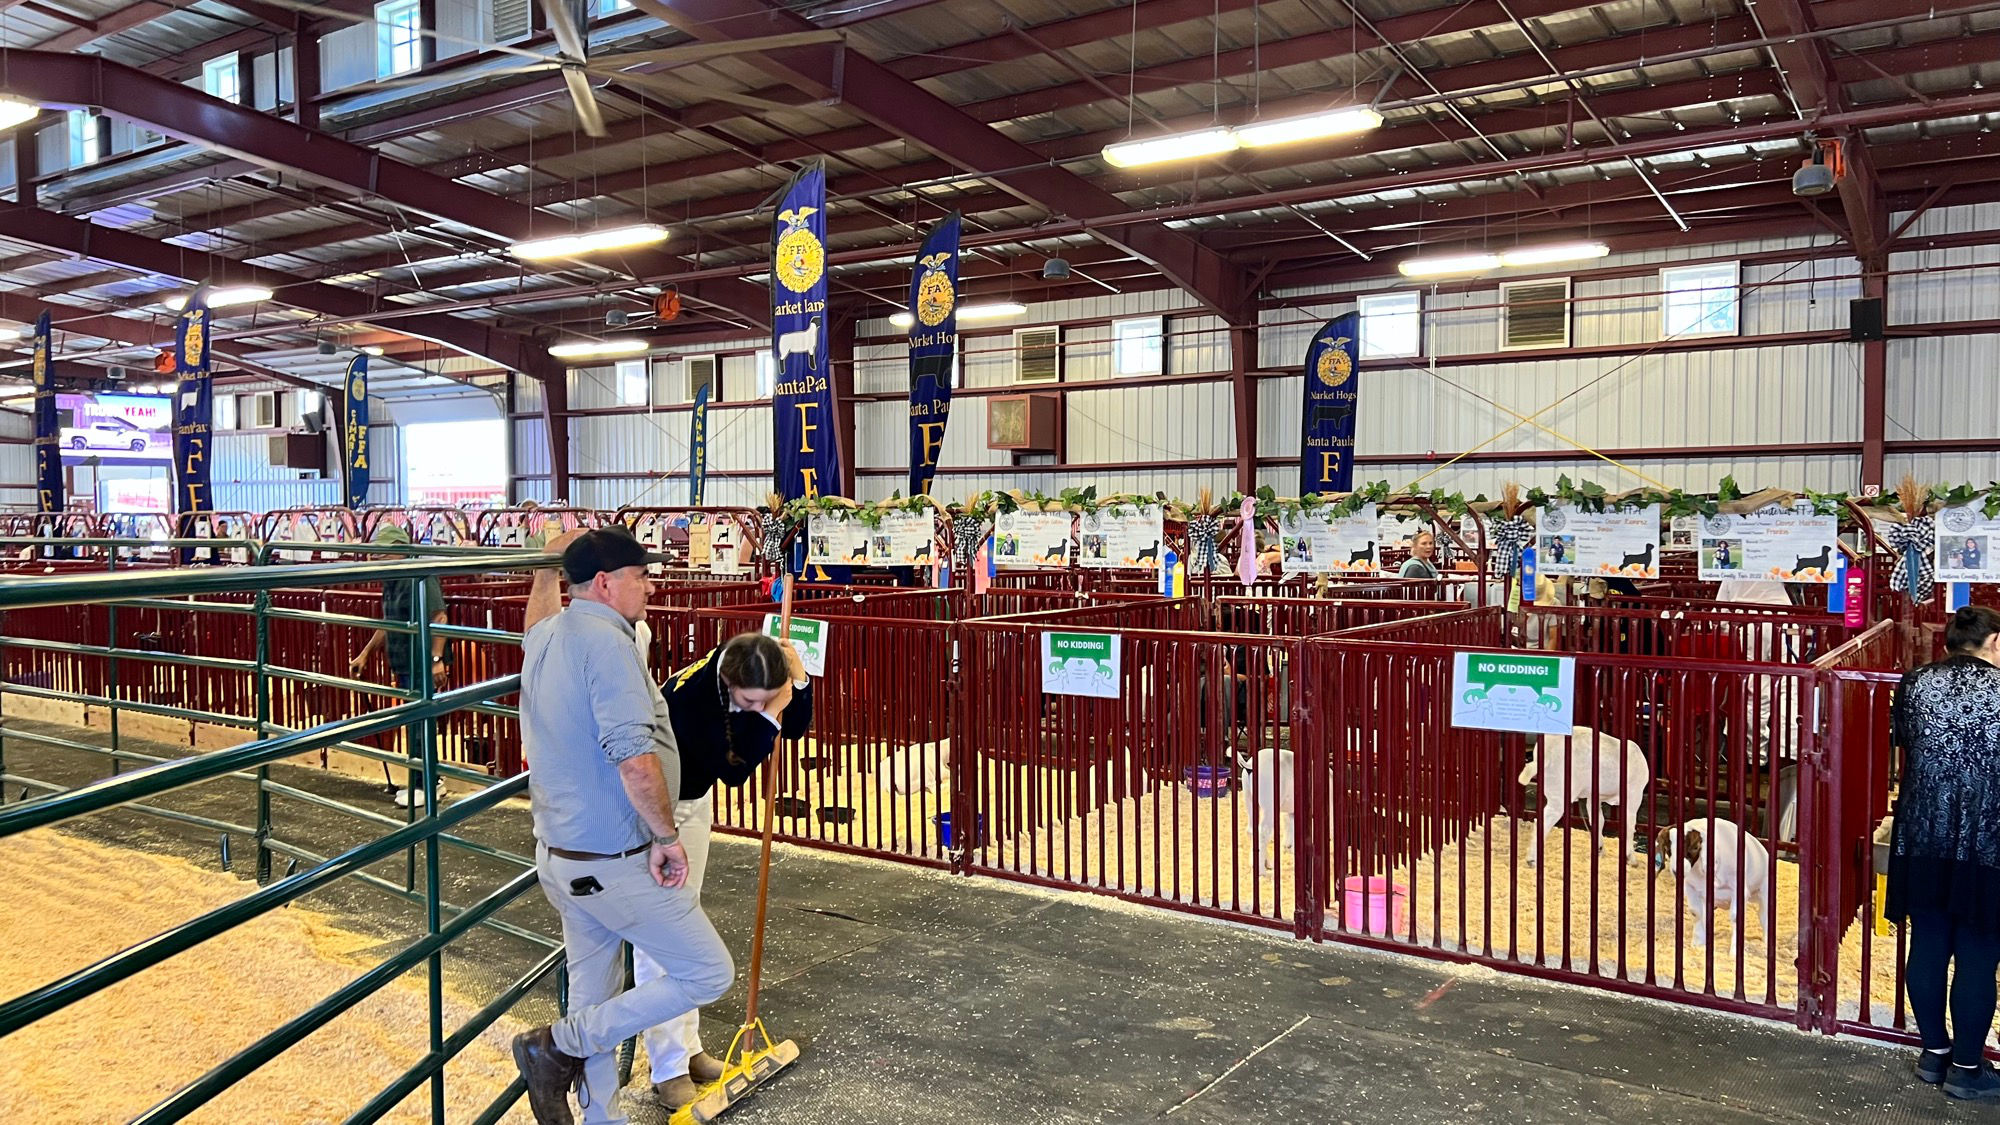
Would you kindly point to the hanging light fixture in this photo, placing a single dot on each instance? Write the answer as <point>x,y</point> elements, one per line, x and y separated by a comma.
<point>589,242</point>
<point>991,310</point>
<point>1448,264</point>
<point>1333,123</point>
<point>1180,146</point>
<point>223,296</point>
<point>14,111</point>
<point>1558,252</point>
<point>597,349</point>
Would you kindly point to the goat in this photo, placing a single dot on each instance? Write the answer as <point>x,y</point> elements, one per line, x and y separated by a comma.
<point>1152,552</point>
<point>1819,562</point>
<point>1271,775</point>
<point>1711,849</point>
<point>803,342</point>
<point>1643,559</point>
<point>1619,777</point>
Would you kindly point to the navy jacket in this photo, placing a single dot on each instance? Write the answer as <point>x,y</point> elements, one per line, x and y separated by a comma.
<point>718,744</point>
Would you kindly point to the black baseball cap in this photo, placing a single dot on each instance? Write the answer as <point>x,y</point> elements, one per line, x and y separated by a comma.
<point>601,551</point>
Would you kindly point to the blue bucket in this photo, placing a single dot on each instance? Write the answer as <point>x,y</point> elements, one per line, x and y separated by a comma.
<point>944,828</point>
<point>1210,781</point>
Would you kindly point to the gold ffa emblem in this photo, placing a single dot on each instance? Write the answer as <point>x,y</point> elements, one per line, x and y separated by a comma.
<point>800,259</point>
<point>1336,364</point>
<point>194,339</point>
<point>41,363</point>
<point>935,296</point>
<point>360,389</point>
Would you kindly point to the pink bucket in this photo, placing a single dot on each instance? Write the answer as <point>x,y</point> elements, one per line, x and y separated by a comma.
<point>1383,904</point>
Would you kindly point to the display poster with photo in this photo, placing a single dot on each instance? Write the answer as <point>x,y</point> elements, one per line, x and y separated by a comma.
<point>1967,542</point>
<point>1397,530</point>
<point>1122,537</point>
<point>1682,531</point>
<point>1579,544</point>
<point>903,539</point>
<point>1778,544</point>
<point>1022,538</point>
<point>1322,545</point>
<point>836,540</point>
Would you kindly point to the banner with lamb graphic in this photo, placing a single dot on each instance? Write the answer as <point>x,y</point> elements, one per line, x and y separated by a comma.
<point>1968,545</point>
<point>1617,544</point>
<point>1121,537</point>
<point>1315,544</point>
<point>1779,544</point>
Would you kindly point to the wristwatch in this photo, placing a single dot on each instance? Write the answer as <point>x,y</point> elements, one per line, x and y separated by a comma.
<point>668,840</point>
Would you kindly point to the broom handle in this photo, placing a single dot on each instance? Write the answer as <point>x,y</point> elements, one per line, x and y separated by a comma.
<point>764,861</point>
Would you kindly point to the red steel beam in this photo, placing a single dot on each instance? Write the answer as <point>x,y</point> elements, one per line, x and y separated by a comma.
<point>867,89</point>
<point>77,81</point>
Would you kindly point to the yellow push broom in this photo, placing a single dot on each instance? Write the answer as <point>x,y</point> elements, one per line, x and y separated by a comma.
<point>760,1059</point>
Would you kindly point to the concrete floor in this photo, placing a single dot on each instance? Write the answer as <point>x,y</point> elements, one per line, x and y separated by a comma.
<point>921,997</point>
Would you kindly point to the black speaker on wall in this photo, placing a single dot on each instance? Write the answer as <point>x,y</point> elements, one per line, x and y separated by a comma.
<point>1864,319</point>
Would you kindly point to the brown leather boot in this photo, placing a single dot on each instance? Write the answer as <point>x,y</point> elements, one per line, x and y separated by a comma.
<point>705,1069</point>
<point>549,1074</point>
<point>675,1092</point>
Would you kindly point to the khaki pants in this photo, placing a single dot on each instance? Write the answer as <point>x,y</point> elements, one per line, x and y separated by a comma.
<point>673,1043</point>
<point>666,924</point>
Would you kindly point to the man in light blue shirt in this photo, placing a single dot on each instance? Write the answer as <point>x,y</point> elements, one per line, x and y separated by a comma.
<point>603,774</point>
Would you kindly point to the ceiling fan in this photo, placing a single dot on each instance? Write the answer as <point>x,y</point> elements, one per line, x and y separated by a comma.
<point>573,60</point>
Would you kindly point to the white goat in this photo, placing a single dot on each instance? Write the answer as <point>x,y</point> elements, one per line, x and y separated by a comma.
<point>1700,847</point>
<point>1271,777</point>
<point>803,342</point>
<point>1566,775</point>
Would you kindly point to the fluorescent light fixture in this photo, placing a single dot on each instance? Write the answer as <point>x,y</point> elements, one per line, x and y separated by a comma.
<point>593,349</point>
<point>1455,263</point>
<point>16,392</point>
<point>1333,123</point>
<point>14,111</point>
<point>1560,252</point>
<point>590,242</point>
<point>372,350</point>
<point>10,333</point>
<point>991,310</point>
<point>1180,146</point>
<point>223,297</point>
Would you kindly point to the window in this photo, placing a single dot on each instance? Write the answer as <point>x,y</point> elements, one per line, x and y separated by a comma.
<point>399,41</point>
<point>1391,325</point>
<point>613,7</point>
<point>634,381</point>
<point>86,131</point>
<point>1699,300</point>
<point>1137,346</point>
<point>220,78</point>
<point>1038,355</point>
<point>1534,314</point>
<point>456,463</point>
<point>225,412</point>
<point>767,374</point>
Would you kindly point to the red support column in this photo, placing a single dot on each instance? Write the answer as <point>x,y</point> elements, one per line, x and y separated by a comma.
<point>840,366</point>
<point>27,165</point>
<point>555,415</point>
<point>305,76</point>
<point>1242,361</point>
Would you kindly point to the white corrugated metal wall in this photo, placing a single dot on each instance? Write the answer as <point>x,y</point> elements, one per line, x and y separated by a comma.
<point>1174,437</point>
<point>17,461</point>
<point>244,481</point>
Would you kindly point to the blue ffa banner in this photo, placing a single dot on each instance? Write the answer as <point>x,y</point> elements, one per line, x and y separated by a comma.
<point>698,448</point>
<point>1326,449</point>
<point>48,427</point>
<point>808,454</point>
<point>933,339</point>
<point>193,410</point>
<point>354,430</point>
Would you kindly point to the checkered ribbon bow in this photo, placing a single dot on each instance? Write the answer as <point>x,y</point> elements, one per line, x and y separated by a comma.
<point>966,535</point>
<point>1509,536</point>
<point>772,548</point>
<point>1203,531</point>
<point>1913,541</point>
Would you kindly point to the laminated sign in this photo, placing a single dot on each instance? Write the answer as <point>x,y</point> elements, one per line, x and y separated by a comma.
<point>1968,546</point>
<point>1776,544</point>
<point>1513,691</point>
<point>1580,544</point>
<point>1080,664</point>
<point>809,637</point>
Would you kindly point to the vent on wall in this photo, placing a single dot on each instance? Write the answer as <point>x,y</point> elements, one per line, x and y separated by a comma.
<point>511,20</point>
<point>1534,314</point>
<point>1038,354</point>
<point>701,373</point>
